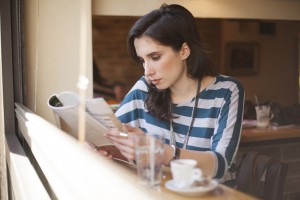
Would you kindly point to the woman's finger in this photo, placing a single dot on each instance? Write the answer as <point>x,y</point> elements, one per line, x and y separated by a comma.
<point>122,138</point>
<point>104,153</point>
<point>112,132</point>
<point>133,129</point>
<point>129,156</point>
<point>116,134</point>
<point>126,151</point>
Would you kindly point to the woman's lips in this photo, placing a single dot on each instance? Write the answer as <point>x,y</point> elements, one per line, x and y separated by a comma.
<point>155,81</point>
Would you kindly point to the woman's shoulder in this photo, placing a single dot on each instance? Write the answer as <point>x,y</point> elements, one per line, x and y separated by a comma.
<point>222,78</point>
<point>141,85</point>
<point>138,91</point>
<point>227,81</point>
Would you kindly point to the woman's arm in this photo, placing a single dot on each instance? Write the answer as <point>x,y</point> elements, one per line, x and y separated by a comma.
<point>227,133</point>
<point>225,140</point>
<point>206,160</point>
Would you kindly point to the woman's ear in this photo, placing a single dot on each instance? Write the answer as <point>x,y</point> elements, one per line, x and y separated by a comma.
<point>185,51</point>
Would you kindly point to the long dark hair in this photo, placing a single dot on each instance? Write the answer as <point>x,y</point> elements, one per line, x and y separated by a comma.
<point>171,25</point>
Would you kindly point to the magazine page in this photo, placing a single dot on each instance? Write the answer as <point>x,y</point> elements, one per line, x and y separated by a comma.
<point>100,110</point>
<point>69,119</point>
<point>99,118</point>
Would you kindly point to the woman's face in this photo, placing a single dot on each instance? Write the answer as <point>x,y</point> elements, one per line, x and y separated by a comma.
<point>163,66</point>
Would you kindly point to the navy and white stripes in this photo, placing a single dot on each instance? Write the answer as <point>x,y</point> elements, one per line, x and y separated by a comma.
<point>217,124</point>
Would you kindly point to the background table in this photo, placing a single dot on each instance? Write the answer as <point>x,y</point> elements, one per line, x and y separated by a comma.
<point>274,133</point>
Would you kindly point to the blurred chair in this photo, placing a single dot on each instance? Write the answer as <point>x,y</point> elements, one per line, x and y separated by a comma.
<point>260,175</point>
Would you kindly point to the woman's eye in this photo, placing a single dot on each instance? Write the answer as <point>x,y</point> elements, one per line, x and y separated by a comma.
<point>155,58</point>
<point>141,60</point>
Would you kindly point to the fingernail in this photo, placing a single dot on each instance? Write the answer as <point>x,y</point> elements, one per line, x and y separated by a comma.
<point>122,134</point>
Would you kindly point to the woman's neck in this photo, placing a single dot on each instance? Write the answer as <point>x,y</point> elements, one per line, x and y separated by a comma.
<point>184,90</point>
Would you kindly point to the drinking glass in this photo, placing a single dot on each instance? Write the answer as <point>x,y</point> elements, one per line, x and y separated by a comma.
<point>149,150</point>
<point>263,116</point>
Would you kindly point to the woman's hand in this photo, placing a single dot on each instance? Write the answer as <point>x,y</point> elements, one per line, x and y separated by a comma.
<point>123,141</point>
<point>102,151</point>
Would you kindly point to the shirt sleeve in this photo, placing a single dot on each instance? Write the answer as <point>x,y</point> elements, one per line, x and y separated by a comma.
<point>227,133</point>
<point>130,110</point>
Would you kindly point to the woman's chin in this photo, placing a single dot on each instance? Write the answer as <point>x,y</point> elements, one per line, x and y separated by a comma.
<point>160,88</point>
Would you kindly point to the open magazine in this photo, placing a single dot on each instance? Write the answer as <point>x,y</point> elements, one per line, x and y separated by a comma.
<point>98,119</point>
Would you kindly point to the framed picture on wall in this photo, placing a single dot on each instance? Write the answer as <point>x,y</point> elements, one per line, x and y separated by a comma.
<point>241,58</point>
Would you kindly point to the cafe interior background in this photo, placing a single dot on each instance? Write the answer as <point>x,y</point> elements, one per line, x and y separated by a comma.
<point>268,69</point>
<point>61,38</point>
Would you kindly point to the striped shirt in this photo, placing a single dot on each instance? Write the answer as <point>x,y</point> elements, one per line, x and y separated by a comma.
<point>217,124</point>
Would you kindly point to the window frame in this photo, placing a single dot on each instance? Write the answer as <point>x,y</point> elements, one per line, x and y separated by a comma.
<point>12,83</point>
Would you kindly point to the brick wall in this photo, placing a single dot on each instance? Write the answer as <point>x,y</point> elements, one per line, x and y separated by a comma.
<point>286,151</point>
<point>110,50</point>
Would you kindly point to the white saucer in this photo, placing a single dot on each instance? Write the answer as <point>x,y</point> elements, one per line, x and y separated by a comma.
<point>192,191</point>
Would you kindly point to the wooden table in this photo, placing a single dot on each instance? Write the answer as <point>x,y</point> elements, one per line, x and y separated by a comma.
<point>222,192</point>
<point>274,133</point>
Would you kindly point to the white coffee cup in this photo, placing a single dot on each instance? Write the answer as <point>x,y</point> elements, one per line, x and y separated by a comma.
<point>185,173</point>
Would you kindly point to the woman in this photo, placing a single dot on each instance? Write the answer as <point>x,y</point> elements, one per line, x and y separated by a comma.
<point>181,95</point>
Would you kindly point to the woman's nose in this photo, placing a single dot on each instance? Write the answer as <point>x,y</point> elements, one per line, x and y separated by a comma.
<point>148,71</point>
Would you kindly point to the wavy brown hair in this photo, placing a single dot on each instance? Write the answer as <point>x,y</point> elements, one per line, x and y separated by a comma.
<point>171,25</point>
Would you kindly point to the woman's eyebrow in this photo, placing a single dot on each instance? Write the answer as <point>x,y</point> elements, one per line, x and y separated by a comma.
<point>149,54</point>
